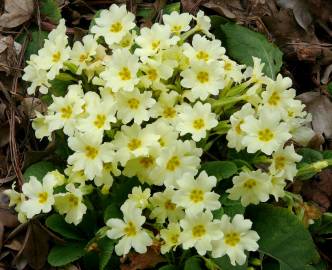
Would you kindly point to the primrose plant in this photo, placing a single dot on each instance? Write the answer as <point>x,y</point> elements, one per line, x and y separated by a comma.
<point>144,104</point>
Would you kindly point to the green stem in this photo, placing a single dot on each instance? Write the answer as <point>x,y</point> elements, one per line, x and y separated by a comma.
<point>227,101</point>
<point>315,167</point>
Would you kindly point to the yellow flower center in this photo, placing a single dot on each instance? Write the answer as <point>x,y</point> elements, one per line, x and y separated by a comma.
<point>66,112</point>
<point>250,183</point>
<point>161,142</point>
<point>116,27</point>
<point>232,239</point>
<point>202,77</point>
<point>130,229</point>
<point>73,200</point>
<point>174,238</point>
<point>173,163</point>
<point>274,99</point>
<point>134,144</point>
<point>42,197</point>
<point>197,195</point>
<point>198,231</point>
<point>83,57</point>
<point>169,112</point>
<point>133,103</point>
<point>228,66</point>
<point>100,120</point>
<point>146,162</point>
<point>280,162</point>
<point>125,74</point>
<point>91,152</point>
<point>169,205</point>
<point>202,55</point>
<point>265,135</point>
<point>176,29</point>
<point>152,74</point>
<point>108,166</point>
<point>56,57</point>
<point>238,129</point>
<point>125,42</point>
<point>198,123</point>
<point>155,44</point>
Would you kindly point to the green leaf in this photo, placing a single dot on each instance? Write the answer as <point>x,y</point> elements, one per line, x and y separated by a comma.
<point>242,44</point>
<point>36,42</point>
<point>122,188</point>
<point>62,255</point>
<point>50,10</point>
<point>309,155</point>
<point>168,9</point>
<point>283,237</point>
<point>220,169</point>
<point>145,12</point>
<point>112,211</point>
<point>193,263</point>
<point>57,223</point>
<point>38,170</point>
<point>168,267</point>
<point>324,225</point>
<point>231,207</point>
<point>327,154</point>
<point>106,247</point>
<point>329,88</point>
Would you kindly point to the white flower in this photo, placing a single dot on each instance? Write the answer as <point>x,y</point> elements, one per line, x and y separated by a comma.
<point>132,142</point>
<point>235,134</point>
<point>203,23</point>
<point>203,49</point>
<point>237,238</point>
<point>199,231</point>
<point>171,237</point>
<point>233,71</point>
<point>167,134</point>
<point>36,75</point>
<point>126,42</point>
<point>55,51</point>
<point>16,199</point>
<point>99,117</point>
<point>134,105</point>
<point>166,107</point>
<point>40,196</point>
<point>266,133</point>
<point>82,54</point>
<point>164,207</point>
<point>196,195</point>
<point>155,72</point>
<point>113,24</point>
<point>144,167</point>
<point>129,230</point>
<point>203,79</point>
<point>90,154</point>
<point>70,204</point>
<point>58,178</point>
<point>121,71</point>
<point>196,120</point>
<point>66,110</point>
<point>176,160</point>
<point>41,126</point>
<point>278,185</point>
<point>284,162</point>
<point>139,197</point>
<point>252,187</point>
<point>75,176</point>
<point>177,22</point>
<point>276,96</point>
<point>152,40</point>
<point>106,178</point>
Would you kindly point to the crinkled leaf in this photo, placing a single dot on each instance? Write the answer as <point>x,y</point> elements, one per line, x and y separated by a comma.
<point>106,247</point>
<point>62,255</point>
<point>225,264</point>
<point>309,155</point>
<point>168,9</point>
<point>193,263</point>
<point>283,237</point>
<point>36,42</point>
<point>242,44</point>
<point>220,169</point>
<point>168,267</point>
<point>39,170</point>
<point>50,10</point>
<point>112,211</point>
<point>57,223</point>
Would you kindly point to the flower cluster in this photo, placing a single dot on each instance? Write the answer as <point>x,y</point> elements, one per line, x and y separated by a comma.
<point>139,103</point>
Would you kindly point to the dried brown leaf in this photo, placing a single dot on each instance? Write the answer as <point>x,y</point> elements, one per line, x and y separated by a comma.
<point>220,7</point>
<point>302,14</point>
<point>8,54</point>
<point>147,260</point>
<point>321,109</point>
<point>16,13</point>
